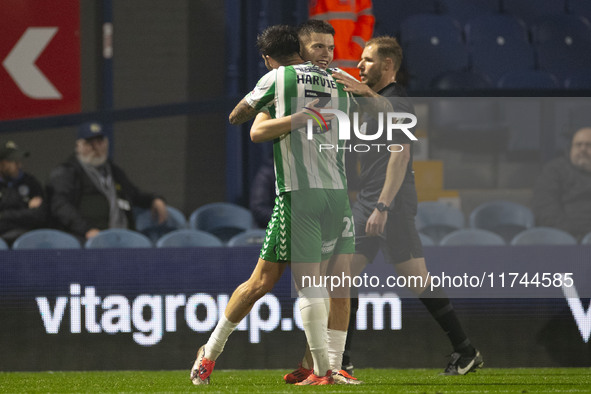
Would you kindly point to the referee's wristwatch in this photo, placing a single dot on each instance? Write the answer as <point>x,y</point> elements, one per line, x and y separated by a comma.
<point>382,207</point>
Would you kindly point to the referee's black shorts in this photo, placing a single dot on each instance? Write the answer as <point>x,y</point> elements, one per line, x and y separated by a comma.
<point>400,241</point>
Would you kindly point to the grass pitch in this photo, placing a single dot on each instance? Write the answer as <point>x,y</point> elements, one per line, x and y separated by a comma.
<point>492,380</point>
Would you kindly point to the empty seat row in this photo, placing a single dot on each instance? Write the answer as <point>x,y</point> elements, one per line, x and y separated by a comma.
<point>123,238</point>
<point>531,236</point>
<point>495,45</point>
<point>391,13</point>
<point>494,223</point>
<point>221,219</point>
<point>505,218</point>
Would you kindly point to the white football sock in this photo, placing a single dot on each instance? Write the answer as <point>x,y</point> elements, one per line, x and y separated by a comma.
<point>336,347</point>
<point>315,320</point>
<point>218,338</point>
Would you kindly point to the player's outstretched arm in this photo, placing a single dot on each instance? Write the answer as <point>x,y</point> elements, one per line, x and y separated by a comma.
<point>243,112</point>
<point>265,128</point>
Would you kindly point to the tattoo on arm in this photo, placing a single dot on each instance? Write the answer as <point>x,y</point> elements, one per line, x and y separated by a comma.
<point>242,112</point>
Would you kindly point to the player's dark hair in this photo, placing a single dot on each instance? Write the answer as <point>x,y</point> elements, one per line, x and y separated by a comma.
<point>315,26</point>
<point>388,47</point>
<point>279,42</point>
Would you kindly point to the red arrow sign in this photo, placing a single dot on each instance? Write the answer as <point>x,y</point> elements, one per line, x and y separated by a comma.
<point>39,58</point>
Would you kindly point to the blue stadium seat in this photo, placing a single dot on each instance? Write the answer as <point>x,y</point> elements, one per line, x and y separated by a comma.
<point>254,237</point>
<point>529,10</point>
<point>3,245</point>
<point>504,218</point>
<point>528,79</point>
<point>562,59</point>
<point>464,10</point>
<point>543,236</point>
<point>435,219</point>
<point>430,28</point>
<point>462,80</point>
<point>426,240</point>
<point>224,220</point>
<point>495,29</point>
<point>560,27</point>
<point>118,238</point>
<point>472,236</point>
<point>389,14</point>
<point>468,125</point>
<point>579,7</point>
<point>46,239</point>
<point>425,61</point>
<point>433,45</point>
<point>498,44</point>
<point>578,81</point>
<point>145,223</point>
<point>187,238</point>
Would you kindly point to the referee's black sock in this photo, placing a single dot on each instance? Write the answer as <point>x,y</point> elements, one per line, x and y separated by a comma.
<point>440,307</point>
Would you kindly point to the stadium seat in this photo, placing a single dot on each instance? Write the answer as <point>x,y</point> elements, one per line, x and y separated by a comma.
<point>586,240</point>
<point>430,28</point>
<point>389,14</point>
<point>432,45</point>
<point>562,59</point>
<point>145,223</point>
<point>495,28</point>
<point>467,124</point>
<point>3,245</point>
<point>435,219</point>
<point>425,62</point>
<point>504,218</point>
<point>253,237</point>
<point>529,10</point>
<point>187,238</point>
<point>118,238</point>
<point>46,239</point>
<point>528,79</point>
<point>463,10</point>
<point>224,220</point>
<point>498,44</point>
<point>579,7</point>
<point>543,236</point>
<point>426,240</point>
<point>472,236</point>
<point>560,27</point>
<point>462,80</point>
<point>578,81</point>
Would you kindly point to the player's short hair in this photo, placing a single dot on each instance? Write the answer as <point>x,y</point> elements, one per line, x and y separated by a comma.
<point>315,26</point>
<point>279,42</point>
<point>388,47</point>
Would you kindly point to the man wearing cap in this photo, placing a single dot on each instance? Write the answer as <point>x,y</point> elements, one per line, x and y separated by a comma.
<point>21,195</point>
<point>89,193</point>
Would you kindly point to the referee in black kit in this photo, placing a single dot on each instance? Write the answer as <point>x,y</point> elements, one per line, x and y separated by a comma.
<point>386,205</point>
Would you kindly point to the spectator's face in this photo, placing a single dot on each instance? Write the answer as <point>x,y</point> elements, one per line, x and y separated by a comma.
<point>580,151</point>
<point>93,151</point>
<point>318,48</point>
<point>10,168</point>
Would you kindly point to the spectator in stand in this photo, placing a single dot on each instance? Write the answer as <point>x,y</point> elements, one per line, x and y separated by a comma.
<point>89,193</point>
<point>562,194</point>
<point>21,195</point>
